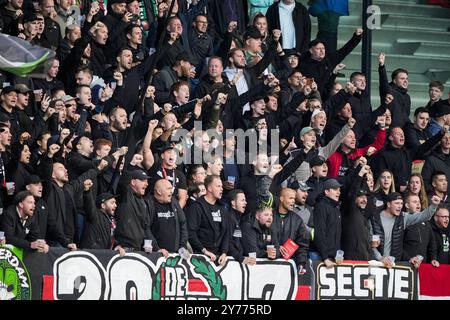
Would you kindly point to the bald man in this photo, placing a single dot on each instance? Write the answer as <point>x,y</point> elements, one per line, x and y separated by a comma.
<point>288,225</point>
<point>168,223</point>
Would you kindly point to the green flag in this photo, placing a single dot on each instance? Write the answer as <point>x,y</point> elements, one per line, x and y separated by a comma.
<point>20,57</point>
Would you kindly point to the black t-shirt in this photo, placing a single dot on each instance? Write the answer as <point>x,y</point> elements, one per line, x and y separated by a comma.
<point>175,177</point>
<point>164,227</point>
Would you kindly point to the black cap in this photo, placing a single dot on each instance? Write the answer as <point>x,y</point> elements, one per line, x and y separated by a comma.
<point>139,174</point>
<point>31,17</point>
<point>362,192</point>
<point>317,161</point>
<point>394,196</point>
<point>102,198</point>
<point>331,184</point>
<point>291,52</point>
<point>258,97</point>
<point>440,109</point>
<point>253,33</point>
<point>32,179</point>
<point>166,146</point>
<point>299,185</point>
<point>9,89</point>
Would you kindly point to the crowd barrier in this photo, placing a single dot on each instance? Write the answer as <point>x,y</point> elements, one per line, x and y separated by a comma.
<point>104,275</point>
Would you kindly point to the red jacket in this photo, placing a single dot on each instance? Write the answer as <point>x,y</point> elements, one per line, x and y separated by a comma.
<point>335,160</point>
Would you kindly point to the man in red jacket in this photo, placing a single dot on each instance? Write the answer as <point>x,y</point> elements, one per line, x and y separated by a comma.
<point>341,160</point>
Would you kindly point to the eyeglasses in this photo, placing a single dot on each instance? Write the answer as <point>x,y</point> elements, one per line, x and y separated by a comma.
<point>444,217</point>
<point>204,22</point>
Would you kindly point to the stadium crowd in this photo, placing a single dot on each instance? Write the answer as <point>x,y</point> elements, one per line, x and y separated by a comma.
<point>145,126</point>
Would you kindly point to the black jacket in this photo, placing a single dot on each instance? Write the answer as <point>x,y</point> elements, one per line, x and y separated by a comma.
<point>201,231</point>
<point>321,70</point>
<point>62,200</point>
<point>133,220</point>
<point>132,80</point>
<point>441,236</point>
<point>415,137</point>
<point>399,160</point>
<point>48,228</point>
<point>361,106</point>
<point>116,34</point>
<point>163,81</point>
<point>327,227</point>
<point>437,161</point>
<point>97,230</point>
<point>401,106</point>
<point>355,225</point>
<point>419,239</point>
<point>16,233</point>
<point>236,220</point>
<point>292,227</point>
<point>218,23</point>
<point>51,37</point>
<point>302,24</point>
<point>255,238</point>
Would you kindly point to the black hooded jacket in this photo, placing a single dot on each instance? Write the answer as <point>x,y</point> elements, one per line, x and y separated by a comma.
<point>327,227</point>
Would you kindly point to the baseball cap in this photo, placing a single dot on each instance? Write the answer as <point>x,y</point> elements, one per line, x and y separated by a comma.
<point>66,98</point>
<point>166,146</point>
<point>291,52</point>
<point>440,109</point>
<point>362,192</point>
<point>331,184</point>
<point>394,196</point>
<point>299,185</point>
<point>105,196</point>
<point>317,161</point>
<point>22,88</point>
<point>305,130</point>
<point>139,174</point>
<point>9,89</point>
<point>31,17</point>
<point>252,33</point>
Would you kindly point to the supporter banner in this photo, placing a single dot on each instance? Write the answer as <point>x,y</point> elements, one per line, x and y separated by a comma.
<point>104,275</point>
<point>434,282</point>
<point>359,280</point>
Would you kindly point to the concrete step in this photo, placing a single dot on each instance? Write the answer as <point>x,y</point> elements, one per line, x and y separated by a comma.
<point>433,49</point>
<point>416,63</point>
<point>410,8</point>
<point>402,22</point>
<point>391,34</point>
